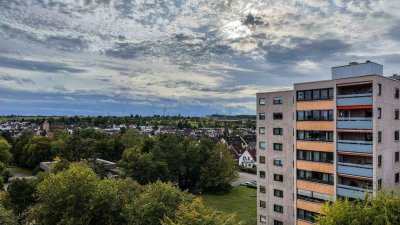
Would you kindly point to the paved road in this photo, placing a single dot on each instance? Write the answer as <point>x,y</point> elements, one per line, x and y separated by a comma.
<point>244,177</point>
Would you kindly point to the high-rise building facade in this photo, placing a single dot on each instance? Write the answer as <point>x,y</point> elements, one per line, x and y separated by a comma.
<point>326,139</point>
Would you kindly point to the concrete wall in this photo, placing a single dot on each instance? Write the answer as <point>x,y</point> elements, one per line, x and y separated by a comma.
<point>287,154</point>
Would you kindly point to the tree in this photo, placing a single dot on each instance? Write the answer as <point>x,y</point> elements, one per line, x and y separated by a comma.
<point>66,197</point>
<point>21,196</point>
<point>37,150</point>
<point>7,217</point>
<point>195,213</point>
<point>131,138</point>
<point>142,167</point>
<point>219,171</point>
<point>5,154</point>
<point>18,147</point>
<point>382,209</point>
<point>157,201</point>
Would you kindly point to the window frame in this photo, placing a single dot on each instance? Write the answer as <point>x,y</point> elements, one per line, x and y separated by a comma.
<point>262,101</point>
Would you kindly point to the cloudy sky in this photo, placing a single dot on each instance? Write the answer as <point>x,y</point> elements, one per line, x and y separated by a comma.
<point>193,57</point>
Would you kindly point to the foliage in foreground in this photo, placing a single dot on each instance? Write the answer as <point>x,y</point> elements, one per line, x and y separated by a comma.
<point>79,196</point>
<point>382,209</point>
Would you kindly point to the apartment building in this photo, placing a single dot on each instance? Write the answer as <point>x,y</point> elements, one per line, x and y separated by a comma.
<point>326,139</point>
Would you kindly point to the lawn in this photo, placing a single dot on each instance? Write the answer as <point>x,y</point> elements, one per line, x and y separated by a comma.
<point>240,200</point>
<point>20,171</point>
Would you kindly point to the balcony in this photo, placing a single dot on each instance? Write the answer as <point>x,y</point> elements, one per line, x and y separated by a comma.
<point>354,99</point>
<point>359,170</point>
<point>356,123</point>
<point>352,192</point>
<point>354,146</point>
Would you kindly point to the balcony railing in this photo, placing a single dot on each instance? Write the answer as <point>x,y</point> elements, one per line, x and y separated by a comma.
<point>354,99</point>
<point>355,169</point>
<point>352,192</point>
<point>357,123</point>
<point>354,146</point>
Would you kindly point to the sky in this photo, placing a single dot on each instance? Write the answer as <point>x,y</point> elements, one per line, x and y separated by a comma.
<point>194,57</point>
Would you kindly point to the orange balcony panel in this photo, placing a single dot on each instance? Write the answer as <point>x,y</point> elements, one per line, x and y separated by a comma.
<point>316,146</point>
<point>302,222</point>
<point>315,125</point>
<point>315,166</point>
<point>311,186</point>
<point>315,105</point>
<point>309,206</point>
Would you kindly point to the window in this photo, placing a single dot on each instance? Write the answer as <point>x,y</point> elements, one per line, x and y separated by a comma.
<point>396,93</point>
<point>278,162</point>
<point>278,146</point>
<point>396,156</point>
<point>379,113</point>
<point>300,96</point>
<point>324,94</point>
<point>379,161</point>
<point>315,95</point>
<point>323,136</point>
<point>306,215</point>
<point>277,222</point>
<point>313,176</point>
<point>396,114</point>
<point>278,208</point>
<point>261,130</point>
<point>262,174</point>
<point>278,177</point>
<point>379,136</point>
<point>278,101</point>
<point>278,131</point>
<point>262,159</point>
<point>278,193</point>
<point>261,116</point>
<point>278,116</point>
<point>396,178</point>
<point>261,145</point>
<point>379,184</point>
<point>315,156</point>
<point>263,204</point>
<point>263,189</point>
<point>379,89</point>
<point>262,101</point>
<point>396,135</point>
<point>315,115</point>
<point>263,219</point>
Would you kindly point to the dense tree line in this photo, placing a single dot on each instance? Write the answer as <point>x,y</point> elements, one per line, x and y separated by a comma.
<point>204,165</point>
<point>173,121</point>
<point>78,196</point>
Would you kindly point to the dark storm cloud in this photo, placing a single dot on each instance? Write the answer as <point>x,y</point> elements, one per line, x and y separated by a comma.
<point>306,49</point>
<point>49,67</point>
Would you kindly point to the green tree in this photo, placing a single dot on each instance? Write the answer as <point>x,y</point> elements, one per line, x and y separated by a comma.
<point>158,200</point>
<point>219,171</point>
<point>131,138</point>
<point>195,213</point>
<point>142,167</point>
<point>5,154</point>
<point>37,150</point>
<point>7,217</point>
<point>21,196</point>
<point>382,209</point>
<point>66,197</point>
<point>18,147</point>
